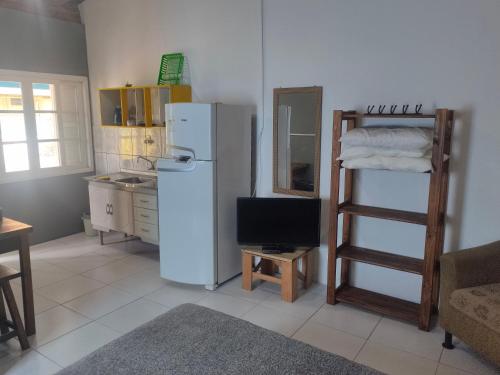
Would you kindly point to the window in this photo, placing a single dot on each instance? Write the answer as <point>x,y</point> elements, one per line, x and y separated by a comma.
<point>44,125</point>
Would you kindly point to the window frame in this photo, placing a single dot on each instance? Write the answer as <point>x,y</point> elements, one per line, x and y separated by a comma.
<point>36,172</point>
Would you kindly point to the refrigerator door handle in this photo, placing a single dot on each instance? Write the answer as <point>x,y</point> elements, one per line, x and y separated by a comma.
<point>183,166</point>
<point>180,148</point>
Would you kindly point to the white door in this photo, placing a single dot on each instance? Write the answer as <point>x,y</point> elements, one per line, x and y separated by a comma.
<point>190,130</point>
<point>99,207</point>
<point>187,221</point>
<point>121,211</point>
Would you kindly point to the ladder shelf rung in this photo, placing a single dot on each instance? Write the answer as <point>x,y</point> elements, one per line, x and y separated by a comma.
<point>384,213</point>
<point>381,258</point>
<point>379,303</point>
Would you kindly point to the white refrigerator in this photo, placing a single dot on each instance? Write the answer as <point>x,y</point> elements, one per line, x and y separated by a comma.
<point>208,166</point>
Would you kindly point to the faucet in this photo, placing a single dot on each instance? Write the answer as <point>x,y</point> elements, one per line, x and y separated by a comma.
<point>152,163</point>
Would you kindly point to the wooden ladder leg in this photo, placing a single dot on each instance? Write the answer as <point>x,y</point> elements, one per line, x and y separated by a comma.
<point>3,316</point>
<point>345,275</point>
<point>334,209</point>
<point>247,269</point>
<point>289,281</point>
<point>14,313</point>
<point>435,222</point>
<point>443,203</point>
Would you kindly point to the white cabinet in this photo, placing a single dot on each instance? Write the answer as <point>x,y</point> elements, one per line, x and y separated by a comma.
<point>146,217</point>
<point>111,209</point>
<point>99,207</point>
<point>121,211</point>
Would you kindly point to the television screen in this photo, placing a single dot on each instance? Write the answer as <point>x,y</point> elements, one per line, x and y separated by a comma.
<point>286,222</point>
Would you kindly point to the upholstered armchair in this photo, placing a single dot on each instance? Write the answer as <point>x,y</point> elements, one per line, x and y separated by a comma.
<point>470,299</point>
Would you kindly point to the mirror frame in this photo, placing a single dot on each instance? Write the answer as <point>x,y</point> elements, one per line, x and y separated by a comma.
<point>318,91</point>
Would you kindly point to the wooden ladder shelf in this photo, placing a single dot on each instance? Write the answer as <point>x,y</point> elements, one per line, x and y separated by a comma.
<point>434,220</point>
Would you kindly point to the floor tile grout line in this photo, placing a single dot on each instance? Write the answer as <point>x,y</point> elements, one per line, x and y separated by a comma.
<point>90,320</point>
<point>128,303</point>
<point>49,359</point>
<point>64,334</point>
<point>307,320</point>
<point>90,269</point>
<point>18,358</point>
<point>441,355</point>
<point>368,338</point>
<point>355,359</point>
<point>375,327</point>
<point>84,294</point>
<point>397,348</point>
<point>339,329</point>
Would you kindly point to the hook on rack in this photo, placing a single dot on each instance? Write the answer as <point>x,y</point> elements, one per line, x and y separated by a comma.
<point>381,109</point>
<point>370,109</point>
<point>405,108</point>
<point>418,108</point>
<point>393,108</point>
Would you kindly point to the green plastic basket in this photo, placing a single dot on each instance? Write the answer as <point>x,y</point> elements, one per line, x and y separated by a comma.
<point>171,68</point>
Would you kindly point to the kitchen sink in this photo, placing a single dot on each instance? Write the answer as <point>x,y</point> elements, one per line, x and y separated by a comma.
<point>132,182</point>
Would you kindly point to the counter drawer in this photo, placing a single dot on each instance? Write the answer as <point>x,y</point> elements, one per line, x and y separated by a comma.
<point>146,216</point>
<point>146,201</point>
<point>147,231</point>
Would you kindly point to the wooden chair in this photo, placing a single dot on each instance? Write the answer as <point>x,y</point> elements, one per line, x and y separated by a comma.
<point>10,329</point>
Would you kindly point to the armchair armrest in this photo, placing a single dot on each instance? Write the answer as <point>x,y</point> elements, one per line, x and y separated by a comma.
<point>468,268</point>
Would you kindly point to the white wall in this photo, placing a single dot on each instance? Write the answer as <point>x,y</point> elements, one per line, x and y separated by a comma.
<point>40,44</point>
<point>221,39</point>
<point>441,53</point>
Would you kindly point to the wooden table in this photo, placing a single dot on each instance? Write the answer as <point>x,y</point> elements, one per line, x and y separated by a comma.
<point>267,267</point>
<point>14,229</point>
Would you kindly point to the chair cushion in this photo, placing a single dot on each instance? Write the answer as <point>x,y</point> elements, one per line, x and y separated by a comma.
<point>481,303</point>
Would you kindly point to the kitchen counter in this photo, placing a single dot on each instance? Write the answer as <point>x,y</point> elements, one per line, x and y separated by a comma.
<point>150,186</point>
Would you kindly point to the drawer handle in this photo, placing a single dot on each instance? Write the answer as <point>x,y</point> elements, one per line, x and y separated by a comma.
<point>145,230</point>
<point>144,201</point>
<point>146,216</point>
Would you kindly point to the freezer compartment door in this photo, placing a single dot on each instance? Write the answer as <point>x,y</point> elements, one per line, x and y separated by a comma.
<point>187,221</point>
<point>191,128</point>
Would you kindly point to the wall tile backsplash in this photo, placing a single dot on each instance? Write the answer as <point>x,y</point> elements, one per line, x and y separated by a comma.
<point>118,148</point>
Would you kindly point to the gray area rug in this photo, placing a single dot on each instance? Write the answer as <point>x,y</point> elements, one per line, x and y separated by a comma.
<point>191,339</point>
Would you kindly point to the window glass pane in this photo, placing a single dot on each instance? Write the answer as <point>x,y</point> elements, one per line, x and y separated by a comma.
<point>16,157</point>
<point>49,154</point>
<point>11,98</point>
<point>46,126</point>
<point>44,96</point>
<point>12,127</point>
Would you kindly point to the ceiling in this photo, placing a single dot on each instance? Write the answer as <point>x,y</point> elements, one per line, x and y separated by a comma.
<point>66,10</point>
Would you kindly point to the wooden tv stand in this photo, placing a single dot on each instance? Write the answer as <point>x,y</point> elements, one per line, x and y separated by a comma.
<point>269,266</point>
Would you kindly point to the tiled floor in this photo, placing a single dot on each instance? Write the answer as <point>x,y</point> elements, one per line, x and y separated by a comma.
<point>87,295</point>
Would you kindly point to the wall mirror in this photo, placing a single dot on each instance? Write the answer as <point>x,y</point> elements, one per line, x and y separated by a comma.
<point>297,140</point>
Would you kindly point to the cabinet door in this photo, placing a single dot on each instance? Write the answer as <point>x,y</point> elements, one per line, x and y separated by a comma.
<point>121,218</point>
<point>99,216</point>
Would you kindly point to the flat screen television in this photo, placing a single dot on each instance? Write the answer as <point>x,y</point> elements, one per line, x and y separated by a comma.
<point>278,224</point>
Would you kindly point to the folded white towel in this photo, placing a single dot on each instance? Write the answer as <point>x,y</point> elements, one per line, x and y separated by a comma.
<point>400,138</point>
<point>355,152</point>
<point>394,164</point>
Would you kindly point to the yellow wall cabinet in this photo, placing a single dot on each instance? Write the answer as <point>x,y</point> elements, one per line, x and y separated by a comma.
<point>139,106</point>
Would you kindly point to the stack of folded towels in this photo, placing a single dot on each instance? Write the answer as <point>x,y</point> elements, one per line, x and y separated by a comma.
<point>397,148</point>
